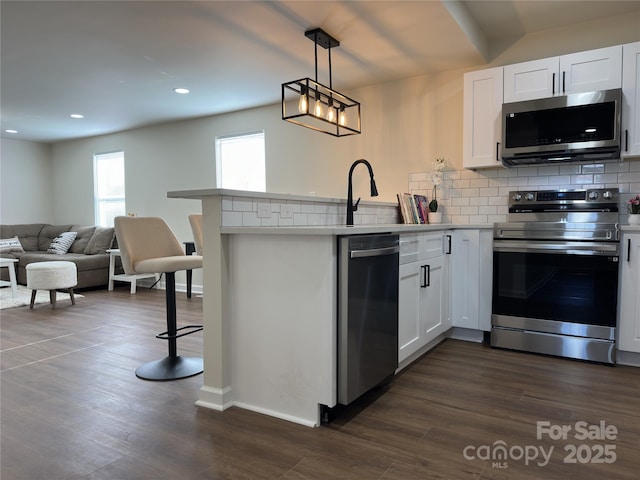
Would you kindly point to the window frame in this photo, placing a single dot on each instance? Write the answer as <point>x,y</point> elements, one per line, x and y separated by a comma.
<point>219,160</point>
<point>99,201</point>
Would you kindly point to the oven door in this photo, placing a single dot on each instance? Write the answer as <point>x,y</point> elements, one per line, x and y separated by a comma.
<point>567,285</point>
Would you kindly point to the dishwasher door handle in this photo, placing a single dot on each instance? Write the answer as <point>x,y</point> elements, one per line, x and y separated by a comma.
<point>374,252</point>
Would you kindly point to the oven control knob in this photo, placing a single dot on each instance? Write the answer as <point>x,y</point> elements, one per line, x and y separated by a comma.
<point>607,195</point>
<point>529,197</point>
<point>593,195</point>
<point>517,197</point>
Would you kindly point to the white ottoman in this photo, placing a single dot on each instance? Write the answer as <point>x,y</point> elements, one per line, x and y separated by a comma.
<point>51,276</point>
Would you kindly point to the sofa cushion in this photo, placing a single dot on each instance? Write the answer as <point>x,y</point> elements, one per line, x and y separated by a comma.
<point>9,245</point>
<point>83,262</point>
<point>48,233</point>
<point>27,233</point>
<point>62,243</point>
<point>101,241</point>
<point>82,239</point>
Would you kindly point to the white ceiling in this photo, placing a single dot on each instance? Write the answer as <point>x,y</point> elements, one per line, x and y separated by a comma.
<point>116,62</point>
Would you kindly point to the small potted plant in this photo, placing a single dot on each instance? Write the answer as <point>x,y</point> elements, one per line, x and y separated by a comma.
<point>634,210</point>
<point>436,178</point>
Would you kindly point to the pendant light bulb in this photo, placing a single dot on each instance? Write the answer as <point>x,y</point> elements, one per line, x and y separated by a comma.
<point>342,117</point>
<point>303,103</point>
<point>317,110</point>
<point>331,115</point>
<point>331,112</point>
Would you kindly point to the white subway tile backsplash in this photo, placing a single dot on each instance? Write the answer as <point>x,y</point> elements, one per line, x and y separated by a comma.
<point>549,170</point>
<point>250,219</point>
<point>569,169</point>
<point>593,168</point>
<point>518,181</point>
<point>581,179</point>
<point>465,196</point>
<point>465,200</point>
<point>606,178</point>
<point>242,204</point>
<point>232,219</point>
<point>300,219</point>
<point>227,203</point>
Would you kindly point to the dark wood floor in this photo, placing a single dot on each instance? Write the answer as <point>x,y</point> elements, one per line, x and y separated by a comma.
<point>72,408</point>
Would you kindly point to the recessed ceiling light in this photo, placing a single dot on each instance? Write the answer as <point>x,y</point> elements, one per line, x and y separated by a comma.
<point>11,131</point>
<point>76,115</point>
<point>181,90</point>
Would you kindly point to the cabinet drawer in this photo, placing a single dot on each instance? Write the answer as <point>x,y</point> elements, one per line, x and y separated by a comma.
<point>420,246</point>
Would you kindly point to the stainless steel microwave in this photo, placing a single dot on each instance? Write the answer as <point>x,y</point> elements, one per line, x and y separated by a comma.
<point>579,126</point>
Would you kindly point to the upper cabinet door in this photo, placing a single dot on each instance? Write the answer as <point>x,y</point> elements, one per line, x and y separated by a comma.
<point>531,80</point>
<point>631,100</point>
<point>482,123</point>
<point>590,71</point>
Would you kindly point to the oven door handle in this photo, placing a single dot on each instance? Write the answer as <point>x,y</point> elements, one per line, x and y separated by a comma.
<point>574,248</point>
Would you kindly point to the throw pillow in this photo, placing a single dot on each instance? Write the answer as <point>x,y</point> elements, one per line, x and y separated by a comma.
<point>100,241</point>
<point>9,245</point>
<point>62,243</point>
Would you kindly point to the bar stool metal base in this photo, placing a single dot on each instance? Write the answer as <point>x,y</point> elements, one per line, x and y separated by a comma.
<point>170,368</point>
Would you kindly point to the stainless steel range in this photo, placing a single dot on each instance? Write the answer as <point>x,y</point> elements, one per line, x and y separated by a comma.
<point>556,274</point>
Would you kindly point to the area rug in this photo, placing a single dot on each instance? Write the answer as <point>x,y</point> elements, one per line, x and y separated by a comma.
<point>24,297</point>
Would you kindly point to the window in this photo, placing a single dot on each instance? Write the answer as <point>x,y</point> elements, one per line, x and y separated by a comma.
<point>108,180</point>
<point>240,162</point>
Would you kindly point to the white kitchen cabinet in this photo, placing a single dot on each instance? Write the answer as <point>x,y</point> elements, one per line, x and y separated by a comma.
<point>482,122</point>
<point>629,294</point>
<point>423,306</point>
<point>588,71</point>
<point>471,279</point>
<point>631,100</point>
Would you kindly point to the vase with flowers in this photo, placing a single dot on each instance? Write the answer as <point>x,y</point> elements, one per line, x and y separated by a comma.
<point>436,179</point>
<point>634,210</point>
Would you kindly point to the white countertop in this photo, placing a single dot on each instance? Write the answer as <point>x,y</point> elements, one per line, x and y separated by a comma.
<point>344,230</point>
<point>198,194</point>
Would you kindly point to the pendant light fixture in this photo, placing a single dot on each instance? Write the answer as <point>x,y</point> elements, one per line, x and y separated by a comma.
<point>313,105</point>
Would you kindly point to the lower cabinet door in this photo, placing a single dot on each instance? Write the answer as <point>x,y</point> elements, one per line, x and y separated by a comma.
<point>421,303</point>
<point>409,325</point>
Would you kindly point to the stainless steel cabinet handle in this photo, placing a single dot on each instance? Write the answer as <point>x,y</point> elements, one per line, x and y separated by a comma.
<point>564,89</point>
<point>553,84</point>
<point>449,241</point>
<point>628,250</point>
<point>497,151</point>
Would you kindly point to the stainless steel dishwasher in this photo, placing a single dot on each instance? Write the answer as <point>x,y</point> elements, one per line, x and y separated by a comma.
<point>367,313</point>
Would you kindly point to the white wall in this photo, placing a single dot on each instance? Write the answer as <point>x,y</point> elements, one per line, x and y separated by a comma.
<point>26,189</point>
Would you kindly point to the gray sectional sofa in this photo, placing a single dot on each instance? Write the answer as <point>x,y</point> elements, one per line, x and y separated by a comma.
<point>88,251</point>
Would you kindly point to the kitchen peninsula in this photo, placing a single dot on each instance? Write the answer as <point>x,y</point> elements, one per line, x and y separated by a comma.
<point>270,303</point>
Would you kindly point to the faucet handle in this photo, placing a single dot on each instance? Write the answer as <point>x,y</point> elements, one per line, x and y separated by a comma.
<point>355,205</point>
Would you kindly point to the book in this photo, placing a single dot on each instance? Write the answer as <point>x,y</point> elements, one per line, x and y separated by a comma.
<point>423,207</point>
<point>403,209</point>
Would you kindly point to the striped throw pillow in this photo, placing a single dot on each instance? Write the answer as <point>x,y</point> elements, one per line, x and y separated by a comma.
<point>62,243</point>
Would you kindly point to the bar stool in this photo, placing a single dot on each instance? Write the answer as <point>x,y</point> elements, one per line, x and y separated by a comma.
<point>147,245</point>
